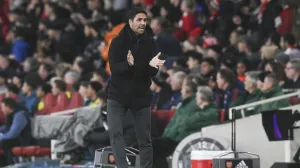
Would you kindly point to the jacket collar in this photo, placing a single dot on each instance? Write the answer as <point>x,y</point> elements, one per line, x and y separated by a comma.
<point>129,35</point>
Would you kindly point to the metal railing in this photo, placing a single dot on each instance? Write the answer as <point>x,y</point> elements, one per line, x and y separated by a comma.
<point>245,106</point>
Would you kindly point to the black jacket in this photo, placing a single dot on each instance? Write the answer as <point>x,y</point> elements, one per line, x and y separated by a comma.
<point>130,85</point>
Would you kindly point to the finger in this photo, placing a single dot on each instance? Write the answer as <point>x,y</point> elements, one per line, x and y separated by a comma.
<point>129,51</point>
<point>158,54</point>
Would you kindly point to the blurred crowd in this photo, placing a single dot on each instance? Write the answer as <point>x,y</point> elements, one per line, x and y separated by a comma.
<point>219,54</point>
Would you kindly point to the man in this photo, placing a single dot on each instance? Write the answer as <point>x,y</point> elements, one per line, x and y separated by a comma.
<point>30,98</point>
<point>271,89</point>
<point>292,72</point>
<point>16,131</point>
<point>133,61</point>
<point>252,94</point>
<point>176,85</point>
<point>228,92</point>
<point>93,89</point>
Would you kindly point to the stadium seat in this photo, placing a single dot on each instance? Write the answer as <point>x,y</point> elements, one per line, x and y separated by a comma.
<point>76,101</point>
<point>29,151</point>
<point>294,100</point>
<point>164,116</point>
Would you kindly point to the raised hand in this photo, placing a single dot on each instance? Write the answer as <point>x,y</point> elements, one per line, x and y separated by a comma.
<point>156,62</point>
<point>130,58</point>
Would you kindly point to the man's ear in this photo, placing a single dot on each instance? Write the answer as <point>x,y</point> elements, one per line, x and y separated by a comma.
<point>130,22</point>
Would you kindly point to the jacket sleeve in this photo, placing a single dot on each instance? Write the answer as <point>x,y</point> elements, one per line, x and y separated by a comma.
<point>198,121</point>
<point>117,67</point>
<point>19,123</point>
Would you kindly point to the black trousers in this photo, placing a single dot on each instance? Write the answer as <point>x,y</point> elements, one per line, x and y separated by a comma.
<point>162,148</point>
<point>142,122</point>
<point>6,146</point>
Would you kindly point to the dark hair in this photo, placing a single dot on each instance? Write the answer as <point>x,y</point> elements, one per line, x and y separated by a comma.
<point>61,85</point>
<point>84,84</point>
<point>45,88</point>
<point>96,86</point>
<point>194,55</point>
<point>228,76</point>
<point>33,80</point>
<point>290,39</point>
<point>10,102</point>
<point>101,72</point>
<point>13,88</point>
<point>47,67</point>
<point>134,11</point>
<point>273,77</point>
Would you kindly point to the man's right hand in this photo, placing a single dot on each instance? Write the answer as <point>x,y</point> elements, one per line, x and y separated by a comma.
<point>130,58</point>
<point>156,62</point>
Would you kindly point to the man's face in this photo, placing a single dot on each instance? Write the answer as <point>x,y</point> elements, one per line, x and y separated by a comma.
<point>248,84</point>
<point>55,90</point>
<point>205,68</point>
<point>267,85</point>
<point>155,26</point>
<point>192,63</point>
<point>40,93</point>
<point>25,88</point>
<point>290,72</point>
<point>90,91</point>
<point>83,91</point>
<point>138,24</point>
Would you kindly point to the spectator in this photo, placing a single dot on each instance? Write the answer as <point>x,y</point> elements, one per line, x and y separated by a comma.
<point>290,45</point>
<point>71,78</point>
<point>271,89</point>
<point>292,71</point>
<point>171,136</point>
<point>188,120</point>
<point>100,76</point>
<point>228,92</point>
<point>30,98</point>
<point>176,84</point>
<point>166,42</point>
<point>16,131</point>
<point>161,92</point>
<point>41,93</point>
<point>193,62</point>
<point>241,69</point>
<point>83,91</point>
<point>252,94</point>
<point>45,72</point>
<point>61,69</point>
<point>59,88</point>
<point>93,89</point>
<point>208,67</point>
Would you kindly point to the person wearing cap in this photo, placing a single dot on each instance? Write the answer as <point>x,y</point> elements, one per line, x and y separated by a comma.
<point>133,61</point>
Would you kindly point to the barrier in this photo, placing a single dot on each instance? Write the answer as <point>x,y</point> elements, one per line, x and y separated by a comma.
<point>245,106</point>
